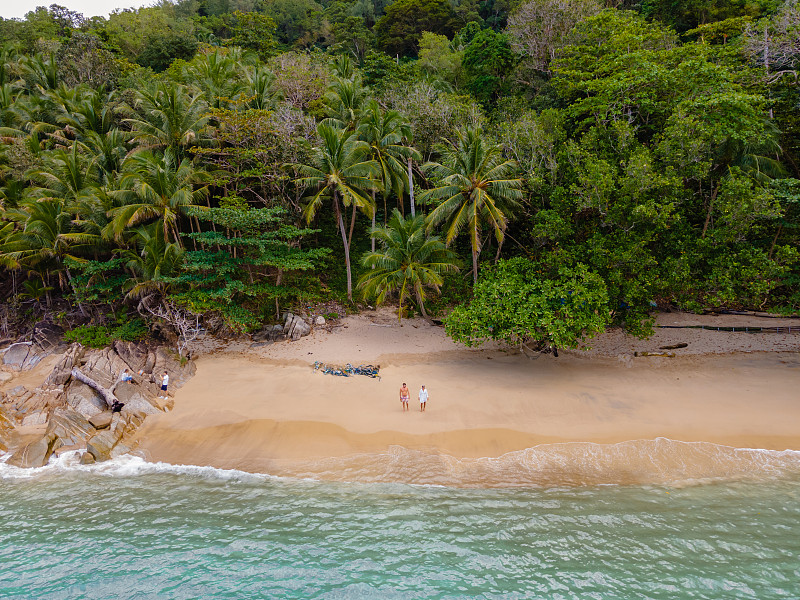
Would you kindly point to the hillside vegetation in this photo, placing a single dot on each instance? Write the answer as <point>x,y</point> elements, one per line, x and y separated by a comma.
<point>546,168</point>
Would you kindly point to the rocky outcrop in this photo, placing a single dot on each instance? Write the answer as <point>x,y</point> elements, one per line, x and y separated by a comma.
<point>36,454</point>
<point>20,356</point>
<point>84,399</point>
<point>295,327</point>
<point>7,433</point>
<point>74,400</point>
<point>112,442</point>
<point>16,355</point>
<point>102,420</point>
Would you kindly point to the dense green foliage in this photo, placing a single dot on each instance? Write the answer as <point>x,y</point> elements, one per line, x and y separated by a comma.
<point>592,163</point>
<point>519,303</point>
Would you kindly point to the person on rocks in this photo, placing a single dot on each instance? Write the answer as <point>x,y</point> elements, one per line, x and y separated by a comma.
<point>126,376</point>
<point>423,398</point>
<point>164,384</point>
<point>405,394</point>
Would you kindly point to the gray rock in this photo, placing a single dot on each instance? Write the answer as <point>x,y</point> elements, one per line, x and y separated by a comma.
<point>319,321</point>
<point>87,459</point>
<point>70,426</point>
<point>101,420</point>
<point>101,444</point>
<point>295,327</point>
<point>134,400</point>
<point>47,335</point>
<point>5,377</point>
<point>35,418</point>
<point>17,392</point>
<point>63,370</point>
<point>36,454</point>
<point>16,354</point>
<point>84,399</point>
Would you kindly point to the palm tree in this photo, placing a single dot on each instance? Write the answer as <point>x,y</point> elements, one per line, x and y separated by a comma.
<point>260,89</point>
<point>409,262</point>
<point>385,132</point>
<point>156,188</point>
<point>219,76</point>
<point>153,262</point>
<point>344,102</point>
<point>340,168</point>
<point>170,119</point>
<point>476,187</point>
<point>47,238</point>
<point>66,175</point>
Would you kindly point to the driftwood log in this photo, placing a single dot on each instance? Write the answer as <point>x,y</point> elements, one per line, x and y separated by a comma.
<point>107,394</point>
<point>674,346</point>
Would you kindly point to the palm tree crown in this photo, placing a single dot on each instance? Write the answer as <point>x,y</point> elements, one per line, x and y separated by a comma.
<point>476,187</point>
<point>409,262</point>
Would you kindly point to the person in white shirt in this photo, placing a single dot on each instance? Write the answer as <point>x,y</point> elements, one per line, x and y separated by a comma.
<point>423,398</point>
<point>164,384</point>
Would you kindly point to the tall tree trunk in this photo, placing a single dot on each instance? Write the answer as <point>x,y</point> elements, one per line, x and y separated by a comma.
<point>346,246</point>
<point>474,266</point>
<point>374,210</point>
<point>74,291</point>
<point>710,208</point>
<point>277,305</point>
<point>420,303</point>
<point>352,226</point>
<point>499,248</point>
<point>411,189</point>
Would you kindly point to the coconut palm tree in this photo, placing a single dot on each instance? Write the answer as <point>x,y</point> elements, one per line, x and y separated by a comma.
<point>340,170</point>
<point>476,187</point>
<point>385,133</point>
<point>153,262</point>
<point>409,262</point>
<point>344,101</point>
<point>260,89</point>
<point>170,118</point>
<point>219,75</point>
<point>46,237</point>
<point>156,188</point>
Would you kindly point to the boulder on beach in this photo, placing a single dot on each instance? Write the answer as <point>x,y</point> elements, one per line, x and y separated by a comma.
<point>36,454</point>
<point>70,426</point>
<point>101,444</point>
<point>101,420</point>
<point>16,354</point>
<point>295,327</point>
<point>84,399</point>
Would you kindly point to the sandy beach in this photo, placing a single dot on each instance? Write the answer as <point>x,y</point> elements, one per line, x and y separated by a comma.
<point>265,409</point>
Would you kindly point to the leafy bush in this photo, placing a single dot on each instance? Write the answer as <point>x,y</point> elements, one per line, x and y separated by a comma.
<point>100,336</point>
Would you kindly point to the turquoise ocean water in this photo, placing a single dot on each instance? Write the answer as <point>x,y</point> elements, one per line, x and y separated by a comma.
<point>131,529</point>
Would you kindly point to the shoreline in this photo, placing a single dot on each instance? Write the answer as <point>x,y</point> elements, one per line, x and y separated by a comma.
<point>264,409</point>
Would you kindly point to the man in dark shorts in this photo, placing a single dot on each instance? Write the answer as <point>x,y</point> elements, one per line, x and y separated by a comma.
<point>164,384</point>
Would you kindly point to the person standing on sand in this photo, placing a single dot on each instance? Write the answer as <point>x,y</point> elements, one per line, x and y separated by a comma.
<point>423,398</point>
<point>405,395</point>
<point>164,384</point>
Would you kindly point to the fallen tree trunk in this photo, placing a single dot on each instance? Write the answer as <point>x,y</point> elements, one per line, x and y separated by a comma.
<point>107,394</point>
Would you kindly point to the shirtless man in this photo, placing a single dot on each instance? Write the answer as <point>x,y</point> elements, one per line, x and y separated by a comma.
<point>405,394</point>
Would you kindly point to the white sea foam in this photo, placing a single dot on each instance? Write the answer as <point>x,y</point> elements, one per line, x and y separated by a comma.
<point>126,465</point>
<point>655,461</point>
